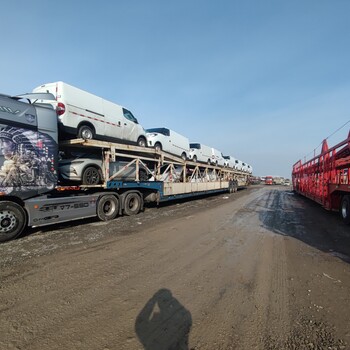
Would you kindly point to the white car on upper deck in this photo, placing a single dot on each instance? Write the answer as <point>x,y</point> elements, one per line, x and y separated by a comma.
<point>239,164</point>
<point>200,153</point>
<point>230,162</point>
<point>217,158</point>
<point>168,141</point>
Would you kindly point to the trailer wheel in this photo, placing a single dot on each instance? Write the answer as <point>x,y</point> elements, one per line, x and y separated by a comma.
<point>230,187</point>
<point>132,204</point>
<point>13,219</point>
<point>107,208</point>
<point>345,209</point>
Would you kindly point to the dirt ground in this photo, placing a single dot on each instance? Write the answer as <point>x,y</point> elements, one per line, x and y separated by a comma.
<point>259,269</point>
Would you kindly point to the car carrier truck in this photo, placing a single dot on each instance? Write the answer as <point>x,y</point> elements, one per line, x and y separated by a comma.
<point>30,192</point>
<point>326,178</point>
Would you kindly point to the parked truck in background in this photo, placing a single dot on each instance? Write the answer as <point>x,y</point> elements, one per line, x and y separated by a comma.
<point>326,178</point>
<point>268,180</point>
<point>278,180</point>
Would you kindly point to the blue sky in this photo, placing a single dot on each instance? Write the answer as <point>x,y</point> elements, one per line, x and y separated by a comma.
<point>263,81</point>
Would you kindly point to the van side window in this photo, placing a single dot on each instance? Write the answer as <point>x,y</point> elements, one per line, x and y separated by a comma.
<point>128,115</point>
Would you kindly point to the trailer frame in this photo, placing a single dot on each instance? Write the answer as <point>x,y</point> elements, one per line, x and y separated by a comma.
<point>326,178</point>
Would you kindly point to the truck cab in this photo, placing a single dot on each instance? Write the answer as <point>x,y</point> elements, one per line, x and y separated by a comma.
<point>28,145</point>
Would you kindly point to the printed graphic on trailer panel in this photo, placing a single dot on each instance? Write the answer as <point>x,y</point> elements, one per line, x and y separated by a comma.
<point>27,160</point>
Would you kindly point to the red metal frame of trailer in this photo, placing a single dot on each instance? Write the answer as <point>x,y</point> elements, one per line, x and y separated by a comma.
<point>326,177</point>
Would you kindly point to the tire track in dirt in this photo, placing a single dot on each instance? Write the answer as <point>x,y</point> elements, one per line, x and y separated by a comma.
<point>269,318</point>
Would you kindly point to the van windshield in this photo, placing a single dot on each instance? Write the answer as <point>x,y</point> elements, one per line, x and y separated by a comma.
<point>128,115</point>
<point>163,131</point>
<point>195,145</point>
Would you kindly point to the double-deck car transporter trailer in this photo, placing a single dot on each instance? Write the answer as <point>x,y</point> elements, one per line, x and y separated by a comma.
<point>29,172</point>
<point>326,178</point>
<point>167,178</point>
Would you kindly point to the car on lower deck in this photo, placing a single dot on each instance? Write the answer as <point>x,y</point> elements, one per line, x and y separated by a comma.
<point>86,169</point>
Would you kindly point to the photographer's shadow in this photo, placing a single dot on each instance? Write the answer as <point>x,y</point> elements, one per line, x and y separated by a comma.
<point>163,323</point>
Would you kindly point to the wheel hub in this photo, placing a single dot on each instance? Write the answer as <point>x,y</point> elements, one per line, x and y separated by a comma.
<point>108,207</point>
<point>86,134</point>
<point>7,221</point>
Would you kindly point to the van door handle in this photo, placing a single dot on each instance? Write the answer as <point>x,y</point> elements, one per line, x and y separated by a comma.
<point>125,124</point>
<point>119,123</point>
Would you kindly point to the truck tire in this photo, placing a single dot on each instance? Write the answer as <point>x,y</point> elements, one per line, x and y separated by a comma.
<point>132,203</point>
<point>235,186</point>
<point>13,220</point>
<point>85,132</point>
<point>91,176</point>
<point>107,207</point>
<point>345,209</point>
<point>230,187</point>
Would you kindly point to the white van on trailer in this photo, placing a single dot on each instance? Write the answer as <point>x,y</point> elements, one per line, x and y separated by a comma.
<point>239,164</point>
<point>200,153</point>
<point>87,116</point>
<point>230,162</point>
<point>216,157</point>
<point>245,167</point>
<point>168,141</point>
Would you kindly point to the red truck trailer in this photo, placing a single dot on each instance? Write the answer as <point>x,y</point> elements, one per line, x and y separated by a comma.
<point>268,180</point>
<point>326,178</point>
